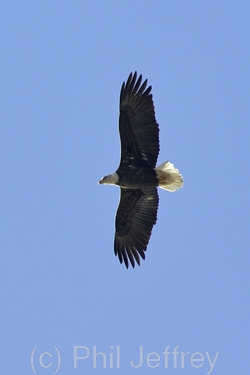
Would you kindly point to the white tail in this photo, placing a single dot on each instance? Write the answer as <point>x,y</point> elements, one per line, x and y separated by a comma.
<point>169,177</point>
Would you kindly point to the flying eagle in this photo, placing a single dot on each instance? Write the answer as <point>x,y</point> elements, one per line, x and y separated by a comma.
<point>137,175</point>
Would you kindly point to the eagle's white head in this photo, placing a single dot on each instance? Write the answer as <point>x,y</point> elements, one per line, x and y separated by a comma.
<point>111,179</point>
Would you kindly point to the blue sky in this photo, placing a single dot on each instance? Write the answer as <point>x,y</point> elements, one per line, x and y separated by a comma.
<point>62,66</point>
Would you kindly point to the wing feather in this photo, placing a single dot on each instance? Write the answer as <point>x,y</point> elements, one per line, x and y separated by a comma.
<point>139,131</point>
<point>135,217</point>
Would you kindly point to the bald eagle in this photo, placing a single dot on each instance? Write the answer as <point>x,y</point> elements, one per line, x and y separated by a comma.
<point>137,175</point>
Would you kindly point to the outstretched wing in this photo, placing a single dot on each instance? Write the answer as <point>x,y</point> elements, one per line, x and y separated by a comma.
<point>139,131</point>
<point>135,217</point>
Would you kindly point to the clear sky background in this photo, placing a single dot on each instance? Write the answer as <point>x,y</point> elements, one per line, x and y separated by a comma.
<point>62,65</point>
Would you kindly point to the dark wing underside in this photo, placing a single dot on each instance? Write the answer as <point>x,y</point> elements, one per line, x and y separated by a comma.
<point>135,217</point>
<point>138,128</point>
